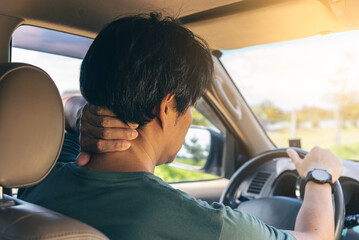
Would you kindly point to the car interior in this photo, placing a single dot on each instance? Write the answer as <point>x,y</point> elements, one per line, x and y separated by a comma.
<point>240,163</point>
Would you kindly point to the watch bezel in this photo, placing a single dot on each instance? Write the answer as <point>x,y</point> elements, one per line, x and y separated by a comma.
<point>311,176</point>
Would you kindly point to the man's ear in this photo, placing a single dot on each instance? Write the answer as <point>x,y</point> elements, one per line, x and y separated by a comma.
<point>166,110</point>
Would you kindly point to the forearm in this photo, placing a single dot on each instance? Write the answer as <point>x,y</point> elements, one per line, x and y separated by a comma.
<point>73,108</point>
<point>315,219</point>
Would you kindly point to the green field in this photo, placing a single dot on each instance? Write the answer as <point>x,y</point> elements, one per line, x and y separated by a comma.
<point>173,174</point>
<point>191,162</point>
<point>323,137</point>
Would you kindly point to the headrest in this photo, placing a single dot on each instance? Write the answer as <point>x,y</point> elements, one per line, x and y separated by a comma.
<point>31,125</point>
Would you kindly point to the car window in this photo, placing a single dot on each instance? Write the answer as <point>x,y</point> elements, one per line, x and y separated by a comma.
<point>194,159</point>
<point>60,55</point>
<point>303,89</point>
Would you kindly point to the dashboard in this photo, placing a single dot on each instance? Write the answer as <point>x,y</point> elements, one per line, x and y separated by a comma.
<point>279,178</point>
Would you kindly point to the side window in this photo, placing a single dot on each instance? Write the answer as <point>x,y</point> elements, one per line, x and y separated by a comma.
<point>58,53</point>
<point>200,157</point>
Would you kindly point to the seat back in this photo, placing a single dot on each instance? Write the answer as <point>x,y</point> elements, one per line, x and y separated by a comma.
<point>32,131</point>
<point>31,125</point>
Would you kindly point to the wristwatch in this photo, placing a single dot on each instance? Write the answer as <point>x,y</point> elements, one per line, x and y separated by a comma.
<point>319,176</point>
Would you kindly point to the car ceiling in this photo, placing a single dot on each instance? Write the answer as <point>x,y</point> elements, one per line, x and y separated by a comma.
<point>225,24</point>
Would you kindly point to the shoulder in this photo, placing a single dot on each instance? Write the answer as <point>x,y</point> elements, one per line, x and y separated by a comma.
<point>232,223</point>
<point>181,198</point>
<point>237,223</point>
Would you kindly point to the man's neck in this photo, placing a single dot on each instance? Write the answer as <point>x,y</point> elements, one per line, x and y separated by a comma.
<point>141,157</point>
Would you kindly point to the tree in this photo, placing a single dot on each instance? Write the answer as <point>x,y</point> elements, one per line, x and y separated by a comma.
<point>313,115</point>
<point>267,112</point>
<point>196,150</point>
<point>349,110</point>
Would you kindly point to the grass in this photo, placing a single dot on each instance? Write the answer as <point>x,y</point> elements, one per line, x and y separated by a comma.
<point>350,152</point>
<point>190,161</point>
<point>172,174</point>
<point>323,137</point>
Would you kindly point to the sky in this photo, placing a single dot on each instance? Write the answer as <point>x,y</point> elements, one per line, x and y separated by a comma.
<point>301,72</point>
<point>65,71</point>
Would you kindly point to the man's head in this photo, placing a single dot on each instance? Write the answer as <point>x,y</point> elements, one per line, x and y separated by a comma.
<point>136,61</point>
<point>147,69</point>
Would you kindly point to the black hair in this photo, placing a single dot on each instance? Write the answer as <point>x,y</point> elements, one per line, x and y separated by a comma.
<point>136,61</point>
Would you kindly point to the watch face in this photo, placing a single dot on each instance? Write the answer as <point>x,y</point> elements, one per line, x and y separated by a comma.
<point>320,175</point>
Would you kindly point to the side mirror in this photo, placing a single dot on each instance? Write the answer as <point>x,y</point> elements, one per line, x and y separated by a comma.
<point>202,151</point>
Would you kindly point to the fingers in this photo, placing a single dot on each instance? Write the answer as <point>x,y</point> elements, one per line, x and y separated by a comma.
<point>298,162</point>
<point>317,158</point>
<point>83,158</point>
<point>293,155</point>
<point>103,132</point>
<point>108,133</point>
<point>102,121</point>
<point>101,111</point>
<point>102,117</point>
<point>95,145</point>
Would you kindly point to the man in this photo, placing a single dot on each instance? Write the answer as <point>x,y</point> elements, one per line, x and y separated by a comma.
<point>150,71</point>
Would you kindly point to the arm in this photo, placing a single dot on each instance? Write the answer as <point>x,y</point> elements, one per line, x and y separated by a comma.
<point>100,129</point>
<point>315,220</point>
<point>73,111</point>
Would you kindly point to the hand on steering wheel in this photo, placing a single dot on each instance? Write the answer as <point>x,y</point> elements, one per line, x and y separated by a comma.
<point>279,212</point>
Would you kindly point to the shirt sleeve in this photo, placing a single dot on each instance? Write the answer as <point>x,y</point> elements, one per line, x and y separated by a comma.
<point>240,225</point>
<point>70,148</point>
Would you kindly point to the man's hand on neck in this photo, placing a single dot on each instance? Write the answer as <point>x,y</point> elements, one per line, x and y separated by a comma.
<point>140,157</point>
<point>103,137</point>
<point>100,130</point>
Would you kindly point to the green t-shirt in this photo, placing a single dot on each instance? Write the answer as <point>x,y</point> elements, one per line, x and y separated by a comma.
<point>139,205</point>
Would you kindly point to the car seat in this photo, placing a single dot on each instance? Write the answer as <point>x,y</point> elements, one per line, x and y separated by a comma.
<point>31,135</point>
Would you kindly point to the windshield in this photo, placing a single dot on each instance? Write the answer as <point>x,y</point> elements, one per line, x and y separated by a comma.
<point>303,89</point>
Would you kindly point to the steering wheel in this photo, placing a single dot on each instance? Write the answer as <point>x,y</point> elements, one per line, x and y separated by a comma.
<point>280,212</point>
